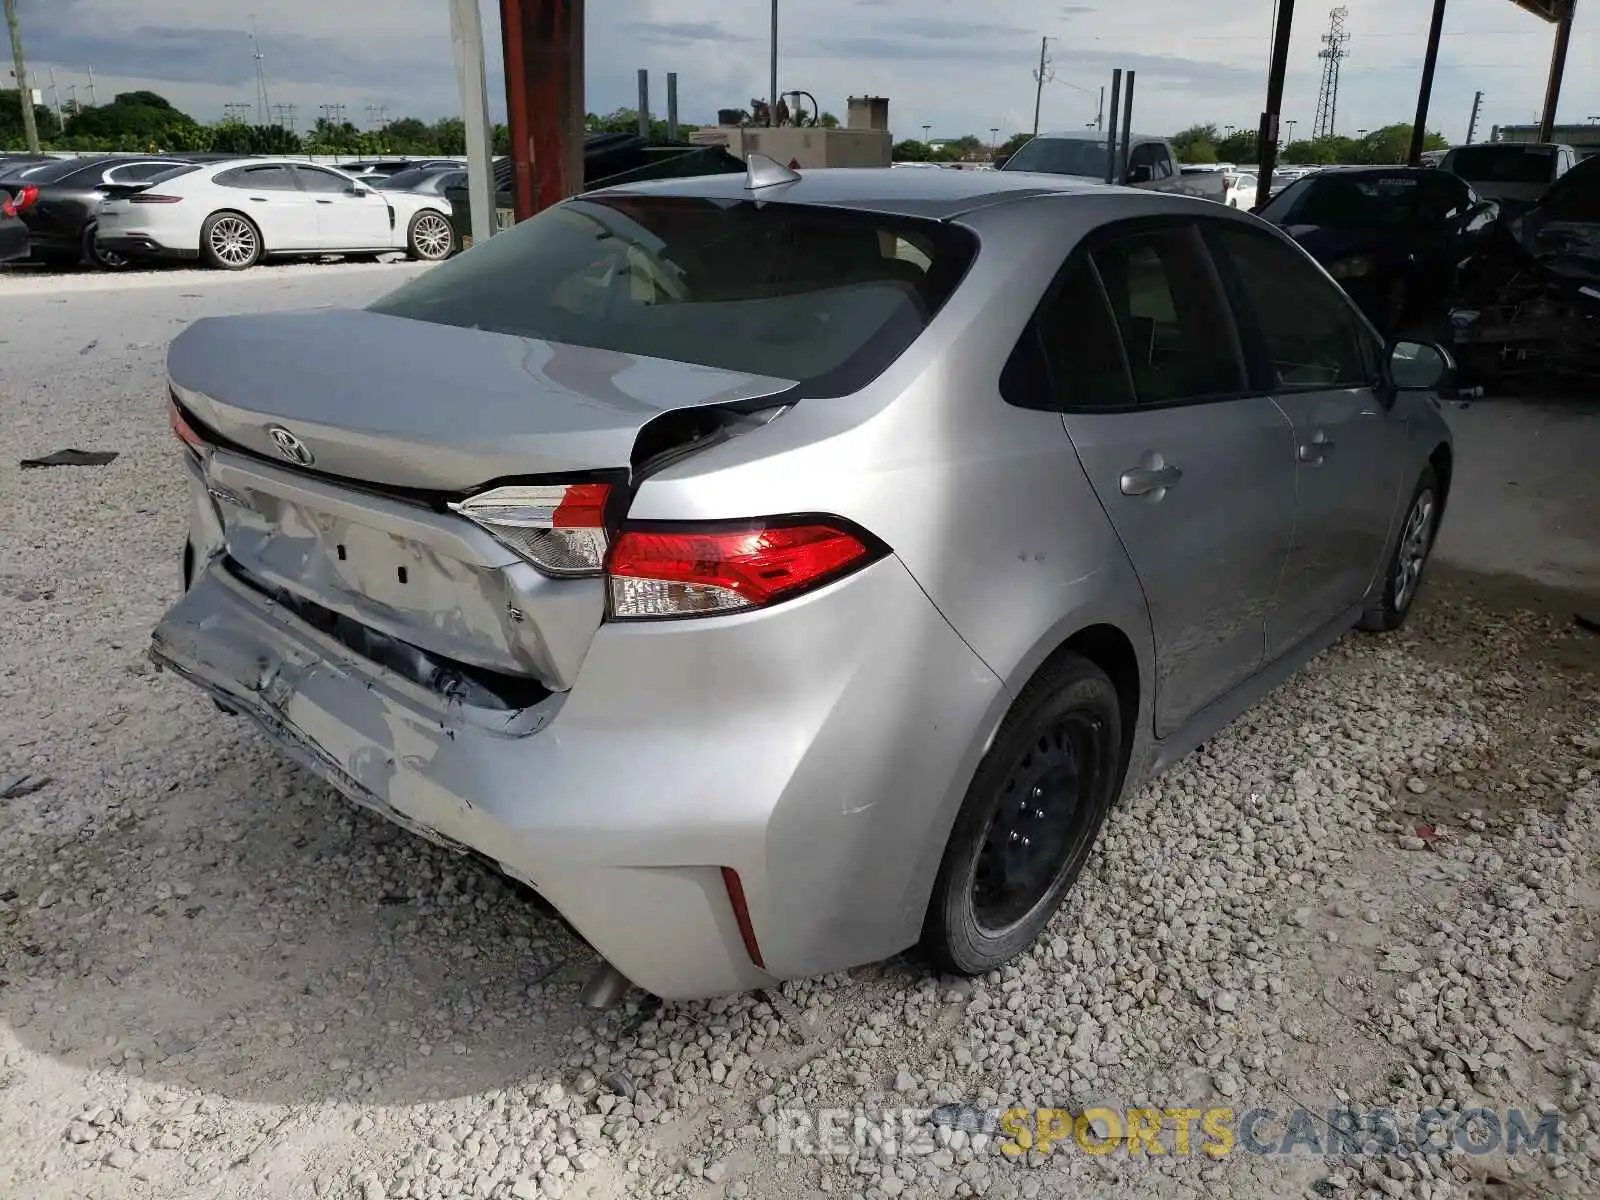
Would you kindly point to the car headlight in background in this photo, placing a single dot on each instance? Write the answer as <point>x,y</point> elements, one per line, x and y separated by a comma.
<point>1351,268</point>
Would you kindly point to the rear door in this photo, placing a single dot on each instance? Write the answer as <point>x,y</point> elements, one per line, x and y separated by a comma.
<point>1195,472</point>
<point>345,221</point>
<point>269,196</point>
<point>1321,362</point>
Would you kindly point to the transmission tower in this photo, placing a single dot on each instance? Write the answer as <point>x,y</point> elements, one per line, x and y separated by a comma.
<point>235,112</point>
<point>1334,50</point>
<point>286,117</point>
<point>263,107</point>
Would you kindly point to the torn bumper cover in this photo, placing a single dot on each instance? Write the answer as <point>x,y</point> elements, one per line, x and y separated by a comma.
<point>683,749</point>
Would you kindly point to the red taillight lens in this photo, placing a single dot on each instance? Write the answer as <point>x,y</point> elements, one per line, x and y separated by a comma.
<point>698,572</point>
<point>26,198</point>
<point>559,528</point>
<point>185,432</point>
<point>152,198</point>
<point>7,208</point>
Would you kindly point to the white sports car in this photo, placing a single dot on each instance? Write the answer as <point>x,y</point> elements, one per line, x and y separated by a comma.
<point>232,214</point>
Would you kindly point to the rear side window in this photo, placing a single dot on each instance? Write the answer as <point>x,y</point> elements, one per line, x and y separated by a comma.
<point>825,297</point>
<point>1070,358</point>
<point>1171,316</point>
<point>1300,328</point>
<point>270,178</point>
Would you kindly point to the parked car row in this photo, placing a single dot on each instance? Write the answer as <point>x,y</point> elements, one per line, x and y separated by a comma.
<point>112,211</point>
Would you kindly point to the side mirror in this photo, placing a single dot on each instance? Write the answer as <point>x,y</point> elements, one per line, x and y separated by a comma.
<point>1140,174</point>
<point>1418,367</point>
<point>357,189</point>
<point>1001,160</point>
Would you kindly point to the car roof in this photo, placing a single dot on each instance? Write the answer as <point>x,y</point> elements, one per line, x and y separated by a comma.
<point>935,194</point>
<point>1092,135</point>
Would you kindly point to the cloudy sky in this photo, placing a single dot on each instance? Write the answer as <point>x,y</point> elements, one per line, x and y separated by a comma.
<point>938,61</point>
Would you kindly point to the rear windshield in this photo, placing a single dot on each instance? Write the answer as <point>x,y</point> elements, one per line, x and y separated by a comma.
<point>1061,156</point>
<point>822,296</point>
<point>1504,164</point>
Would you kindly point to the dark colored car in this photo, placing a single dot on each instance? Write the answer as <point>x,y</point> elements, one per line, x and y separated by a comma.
<point>13,233</point>
<point>59,201</point>
<point>393,166</point>
<point>1398,239</point>
<point>431,180</point>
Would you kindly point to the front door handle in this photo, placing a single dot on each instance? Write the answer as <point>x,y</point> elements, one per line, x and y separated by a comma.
<point>1142,481</point>
<point>1314,451</point>
<point>324,201</point>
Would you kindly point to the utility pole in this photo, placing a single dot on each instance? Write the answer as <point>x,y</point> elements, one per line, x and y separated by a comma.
<point>72,98</point>
<point>1430,59</point>
<point>30,127</point>
<point>1472,125</point>
<point>1038,80</point>
<point>55,97</point>
<point>92,100</point>
<point>466,35</point>
<point>1100,113</point>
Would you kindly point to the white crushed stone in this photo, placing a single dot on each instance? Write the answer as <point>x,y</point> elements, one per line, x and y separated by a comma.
<point>1378,889</point>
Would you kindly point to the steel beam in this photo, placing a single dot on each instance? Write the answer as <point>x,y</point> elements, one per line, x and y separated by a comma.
<point>543,45</point>
<point>1267,132</point>
<point>1430,60</point>
<point>1558,68</point>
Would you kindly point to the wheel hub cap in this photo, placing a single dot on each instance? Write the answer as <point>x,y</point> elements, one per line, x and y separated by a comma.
<point>1415,541</point>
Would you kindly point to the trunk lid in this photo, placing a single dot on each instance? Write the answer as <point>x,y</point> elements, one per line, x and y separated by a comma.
<point>381,404</point>
<point>408,404</point>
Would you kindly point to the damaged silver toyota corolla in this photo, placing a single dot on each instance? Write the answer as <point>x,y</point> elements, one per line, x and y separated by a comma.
<point>776,573</point>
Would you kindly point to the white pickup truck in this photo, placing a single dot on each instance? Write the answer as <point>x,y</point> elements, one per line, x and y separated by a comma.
<point>1151,162</point>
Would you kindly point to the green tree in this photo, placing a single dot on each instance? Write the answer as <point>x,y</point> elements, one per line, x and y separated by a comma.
<point>1012,144</point>
<point>1392,144</point>
<point>911,150</point>
<point>1238,147</point>
<point>501,141</point>
<point>828,121</point>
<point>408,135</point>
<point>450,135</point>
<point>1195,142</point>
<point>235,137</point>
<point>133,121</point>
<point>11,136</point>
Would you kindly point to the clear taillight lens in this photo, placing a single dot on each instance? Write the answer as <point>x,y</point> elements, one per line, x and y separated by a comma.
<point>559,528</point>
<point>687,572</point>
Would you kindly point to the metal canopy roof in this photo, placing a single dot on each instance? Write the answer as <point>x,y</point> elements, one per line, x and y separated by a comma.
<point>1546,10</point>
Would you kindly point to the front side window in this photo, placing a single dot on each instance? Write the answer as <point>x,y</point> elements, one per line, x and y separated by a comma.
<point>1179,341</point>
<point>325,182</point>
<point>825,297</point>
<point>1300,327</point>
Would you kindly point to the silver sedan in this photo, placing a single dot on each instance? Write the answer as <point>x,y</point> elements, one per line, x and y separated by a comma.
<point>781,572</point>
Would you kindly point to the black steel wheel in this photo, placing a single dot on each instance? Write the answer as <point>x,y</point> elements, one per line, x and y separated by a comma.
<point>1029,820</point>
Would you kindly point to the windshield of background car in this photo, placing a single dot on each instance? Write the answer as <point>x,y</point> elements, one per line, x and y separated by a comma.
<point>1338,201</point>
<point>52,172</point>
<point>1504,164</point>
<point>823,296</point>
<point>1061,156</point>
<point>404,181</point>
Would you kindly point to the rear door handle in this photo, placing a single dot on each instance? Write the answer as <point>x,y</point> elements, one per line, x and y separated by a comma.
<point>1316,449</point>
<point>1141,481</point>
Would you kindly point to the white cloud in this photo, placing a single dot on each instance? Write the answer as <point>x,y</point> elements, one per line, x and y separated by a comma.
<point>940,64</point>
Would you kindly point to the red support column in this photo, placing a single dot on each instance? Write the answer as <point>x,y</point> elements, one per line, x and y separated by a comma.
<point>543,45</point>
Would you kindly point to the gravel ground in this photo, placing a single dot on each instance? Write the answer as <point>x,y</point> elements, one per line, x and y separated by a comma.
<point>1377,890</point>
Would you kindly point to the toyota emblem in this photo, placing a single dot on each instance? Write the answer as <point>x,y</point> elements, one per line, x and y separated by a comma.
<point>290,446</point>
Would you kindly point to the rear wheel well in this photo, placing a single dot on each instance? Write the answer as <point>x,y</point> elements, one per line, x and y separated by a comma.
<point>1109,649</point>
<point>232,212</point>
<point>1442,461</point>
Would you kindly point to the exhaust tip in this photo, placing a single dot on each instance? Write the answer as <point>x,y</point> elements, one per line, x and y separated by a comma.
<point>606,986</point>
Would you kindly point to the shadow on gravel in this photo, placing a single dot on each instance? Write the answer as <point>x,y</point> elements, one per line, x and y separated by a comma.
<point>252,936</point>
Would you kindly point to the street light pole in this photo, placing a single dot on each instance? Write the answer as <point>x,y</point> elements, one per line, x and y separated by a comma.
<point>30,128</point>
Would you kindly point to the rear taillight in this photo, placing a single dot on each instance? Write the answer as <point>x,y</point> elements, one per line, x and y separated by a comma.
<point>153,198</point>
<point>7,208</point>
<point>683,571</point>
<point>185,432</point>
<point>26,198</point>
<point>559,528</point>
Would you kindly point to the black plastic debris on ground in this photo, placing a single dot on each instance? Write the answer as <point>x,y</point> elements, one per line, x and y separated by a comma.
<point>71,458</point>
<point>14,787</point>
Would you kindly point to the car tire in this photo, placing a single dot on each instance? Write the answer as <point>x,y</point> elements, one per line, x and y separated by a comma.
<point>1058,754</point>
<point>101,260</point>
<point>1402,574</point>
<point>429,237</point>
<point>230,241</point>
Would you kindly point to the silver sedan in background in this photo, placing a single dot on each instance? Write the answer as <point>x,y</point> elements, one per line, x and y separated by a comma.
<point>781,572</point>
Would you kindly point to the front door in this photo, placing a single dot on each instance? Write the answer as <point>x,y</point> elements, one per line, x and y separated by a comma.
<point>1196,474</point>
<point>346,221</point>
<point>1321,362</point>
